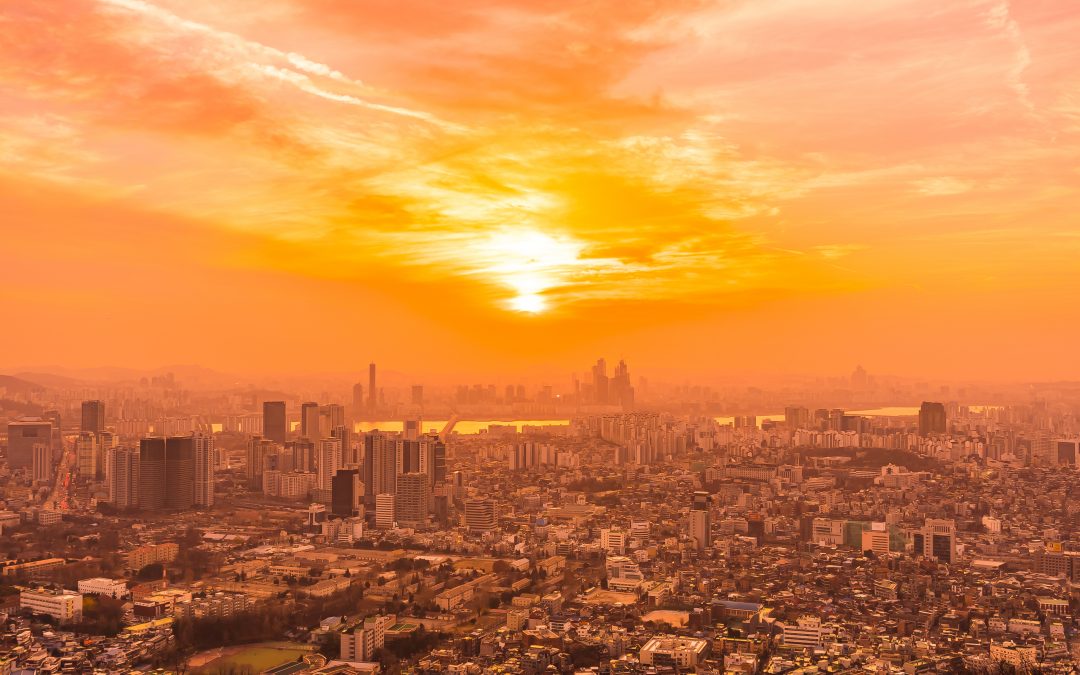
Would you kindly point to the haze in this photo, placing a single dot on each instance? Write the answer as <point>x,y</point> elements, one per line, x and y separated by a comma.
<point>776,185</point>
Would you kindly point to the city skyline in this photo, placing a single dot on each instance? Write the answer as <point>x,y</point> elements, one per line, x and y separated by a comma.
<point>517,185</point>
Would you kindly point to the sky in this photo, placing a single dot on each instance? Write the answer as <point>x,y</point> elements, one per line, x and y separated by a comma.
<point>516,185</point>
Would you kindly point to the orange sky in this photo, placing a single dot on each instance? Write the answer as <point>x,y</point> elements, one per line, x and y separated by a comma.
<point>772,185</point>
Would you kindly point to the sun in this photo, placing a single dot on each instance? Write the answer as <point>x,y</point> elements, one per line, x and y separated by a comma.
<point>529,263</point>
<point>528,303</point>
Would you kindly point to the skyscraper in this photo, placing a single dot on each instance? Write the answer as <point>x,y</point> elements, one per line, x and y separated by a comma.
<point>88,456</point>
<point>357,400</point>
<point>413,500</point>
<point>600,382</point>
<point>373,399</point>
<point>275,422</point>
<point>345,493</point>
<point>380,465</point>
<point>258,450</point>
<point>23,434</point>
<point>932,419</point>
<point>42,464</point>
<point>309,421</point>
<point>93,417</point>
<point>700,521</point>
<point>329,461</point>
<point>124,477</point>
<point>204,469</point>
<point>167,472</point>
<point>418,394</point>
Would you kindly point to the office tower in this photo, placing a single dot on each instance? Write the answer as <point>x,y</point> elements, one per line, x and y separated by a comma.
<point>406,456</point>
<point>93,417</point>
<point>938,539</point>
<point>384,511</point>
<point>1068,451</point>
<point>480,515</point>
<point>796,417</point>
<point>418,394</point>
<point>258,451</point>
<point>372,395</point>
<point>42,464</point>
<point>309,421</point>
<point>328,462</point>
<point>613,541</point>
<point>410,429</point>
<point>124,477</point>
<point>346,492</point>
<point>87,456</point>
<point>620,391</point>
<point>331,416</point>
<point>275,421</point>
<point>600,382</point>
<point>700,521</point>
<point>57,447</point>
<point>23,435</point>
<point>343,434</point>
<point>357,399</point>
<point>836,419</point>
<point>167,472</point>
<point>380,464</point>
<point>932,419</point>
<point>204,469</point>
<point>303,454</point>
<point>413,500</point>
<point>433,458</point>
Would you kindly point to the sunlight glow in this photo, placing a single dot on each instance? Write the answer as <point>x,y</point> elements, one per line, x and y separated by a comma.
<point>529,262</point>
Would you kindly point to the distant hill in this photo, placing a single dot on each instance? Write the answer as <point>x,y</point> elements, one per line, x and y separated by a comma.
<point>19,385</point>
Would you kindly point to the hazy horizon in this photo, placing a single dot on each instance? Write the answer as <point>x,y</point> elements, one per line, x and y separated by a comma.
<point>771,187</point>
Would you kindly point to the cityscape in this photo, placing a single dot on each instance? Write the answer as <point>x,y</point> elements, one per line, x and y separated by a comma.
<point>521,337</point>
<point>606,525</point>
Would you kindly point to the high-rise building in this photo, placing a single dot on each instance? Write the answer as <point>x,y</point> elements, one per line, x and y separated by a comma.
<point>413,500</point>
<point>23,435</point>
<point>796,417</point>
<point>204,469</point>
<point>302,452</point>
<point>357,399</point>
<point>275,421</point>
<point>620,391</point>
<point>93,417</point>
<point>309,421</point>
<point>167,472</point>
<point>417,394</point>
<point>600,382</point>
<point>88,456</point>
<point>613,541</point>
<point>346,491</point>
<point>480,515</point>
<point>363,642</point>
<point>328,462</point>
<point>411,428</point>
<point>380,465</point>
<point>258,451</point>
<point>373,397</point>
<point>331,416</point>
<point>1068,451</point>
<point>700,521</point>
<point>124,477</point>
<point>385,511</point>
<point>433,458</point>
<point>42,465</point>
<point>932,419</point>
<point>937,540</point>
